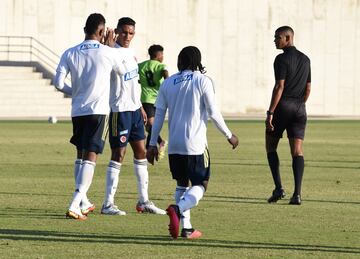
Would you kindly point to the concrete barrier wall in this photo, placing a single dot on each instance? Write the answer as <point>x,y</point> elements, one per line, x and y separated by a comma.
<point>235,37</point>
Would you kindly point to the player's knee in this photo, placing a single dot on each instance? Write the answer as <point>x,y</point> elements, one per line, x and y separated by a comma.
<point>118,154</point>
<point>205,184</point>
<point>183,182</point>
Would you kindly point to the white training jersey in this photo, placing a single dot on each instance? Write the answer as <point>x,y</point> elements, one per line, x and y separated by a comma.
<point>90,64</point>
<point>189,98</point>
<point>125,89</point>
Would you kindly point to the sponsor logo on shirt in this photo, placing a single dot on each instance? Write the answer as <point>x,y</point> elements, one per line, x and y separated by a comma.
<point>183,78</point>
<point>90,46</point>
<point>130,75</point>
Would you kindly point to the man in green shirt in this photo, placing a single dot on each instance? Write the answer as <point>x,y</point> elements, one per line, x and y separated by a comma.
<point>152,73</point>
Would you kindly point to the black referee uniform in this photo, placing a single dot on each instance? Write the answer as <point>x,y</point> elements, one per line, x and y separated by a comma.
<point>292,66</point>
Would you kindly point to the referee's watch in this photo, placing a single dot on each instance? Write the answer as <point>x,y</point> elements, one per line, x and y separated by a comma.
<point>269,113</point>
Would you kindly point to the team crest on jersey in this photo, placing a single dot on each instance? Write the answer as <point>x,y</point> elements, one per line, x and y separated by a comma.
<point>123,139</point>
<point>130,75</point>
<point>90,46</point>
<point>183,78</point>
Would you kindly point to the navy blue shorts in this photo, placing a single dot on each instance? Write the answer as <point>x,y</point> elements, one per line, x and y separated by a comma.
<point>125,127</point>
<point>89,132</point>
<point>289,115</point>
<point>195,168</point>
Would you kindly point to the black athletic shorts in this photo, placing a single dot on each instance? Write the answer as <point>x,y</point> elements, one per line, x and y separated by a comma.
<point>289,115</point>
<point>126,127</point>
<point>195,168</point>
<point>149,109</point>
<point>89,132</point>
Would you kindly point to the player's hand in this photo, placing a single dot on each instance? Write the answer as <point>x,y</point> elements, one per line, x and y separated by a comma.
<point>234,141</point>
<point>151,154</point>
<point>110,37</point>
<point>268,123</point>
<point>145,118</point>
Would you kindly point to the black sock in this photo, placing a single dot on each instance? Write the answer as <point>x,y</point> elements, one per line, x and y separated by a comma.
<point>148,138</point>
<point>298,170</point>
<point>274,164</point>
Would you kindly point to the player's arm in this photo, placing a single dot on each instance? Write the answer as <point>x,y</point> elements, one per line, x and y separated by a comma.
<point>280,70</point>
<point>143,113</point>
<point>61,73</point>
<point>152,152</point>
<point>161,107</point>
<point>276,94</point>
<point>165,74</point>
<point>275,98</point>
<point>215,115</point>
<point>307,91</point>
<point>308,86</point>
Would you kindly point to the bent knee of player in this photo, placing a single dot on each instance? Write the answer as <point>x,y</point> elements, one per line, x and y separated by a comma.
<point>205,184</point>
<point>118,154</point>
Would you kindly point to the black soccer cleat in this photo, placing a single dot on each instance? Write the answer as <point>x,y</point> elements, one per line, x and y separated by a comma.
<point>277,194</point>
<point>295,200</point>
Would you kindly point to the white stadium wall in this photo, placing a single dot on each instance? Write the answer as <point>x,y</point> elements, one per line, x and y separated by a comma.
<point>235,37</point>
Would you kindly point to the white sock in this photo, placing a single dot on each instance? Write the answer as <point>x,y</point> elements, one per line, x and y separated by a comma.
<point>84,180</point>
<point>112,181</point>
<point>77,167</point>
<point>185,216</point>
<point>191,198</point>
<point>142,175</point>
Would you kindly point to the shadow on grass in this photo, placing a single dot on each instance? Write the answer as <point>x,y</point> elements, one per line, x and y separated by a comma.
<point>351,166</point>
<point>159,240</point>
<point>256,200</point>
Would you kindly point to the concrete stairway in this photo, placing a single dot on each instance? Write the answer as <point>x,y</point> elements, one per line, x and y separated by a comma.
<point>25,94</point>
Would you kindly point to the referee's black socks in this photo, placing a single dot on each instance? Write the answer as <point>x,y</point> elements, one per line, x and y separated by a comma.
<point>274,164</point>
<point>298,170</point>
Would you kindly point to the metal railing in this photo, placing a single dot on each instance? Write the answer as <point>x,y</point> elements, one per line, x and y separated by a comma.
<point>27,49</point>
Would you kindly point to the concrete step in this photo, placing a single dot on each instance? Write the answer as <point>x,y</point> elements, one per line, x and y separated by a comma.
<point>23,76</point>
<point>10,69</point>
<point>25,94</point>
<point>32,89</point>
<point>22,82</point>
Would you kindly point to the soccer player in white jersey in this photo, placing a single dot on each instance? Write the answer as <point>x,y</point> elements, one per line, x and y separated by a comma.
<point>90,64</point>
<point>126,125</point>
<point>189,98</point>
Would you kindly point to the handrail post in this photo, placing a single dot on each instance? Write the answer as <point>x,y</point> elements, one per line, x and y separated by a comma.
<point>8,48</point>
<point>31,46</point>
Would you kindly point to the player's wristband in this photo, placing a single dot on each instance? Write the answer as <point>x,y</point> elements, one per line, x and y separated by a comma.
<point>269,113</point>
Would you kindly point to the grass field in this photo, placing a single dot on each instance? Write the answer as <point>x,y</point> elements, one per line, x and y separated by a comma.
<point>36,185</point>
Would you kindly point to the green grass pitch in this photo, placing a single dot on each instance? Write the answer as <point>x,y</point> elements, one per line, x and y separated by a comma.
<point>36,185</point>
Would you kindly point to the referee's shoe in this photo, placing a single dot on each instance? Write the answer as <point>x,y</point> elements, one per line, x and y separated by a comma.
<point>277,194</point>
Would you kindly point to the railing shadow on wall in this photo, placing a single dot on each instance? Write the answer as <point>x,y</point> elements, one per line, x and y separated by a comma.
<point>28,51</point>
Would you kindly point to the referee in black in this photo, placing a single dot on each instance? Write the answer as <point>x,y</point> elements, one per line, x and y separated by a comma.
<point>287,110</point>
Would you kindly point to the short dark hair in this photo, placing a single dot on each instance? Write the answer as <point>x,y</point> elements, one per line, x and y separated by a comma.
<point>93,22</point>
<point>190,58</point>
<point>285,29</point>
<point>125,21</point>
<point>154,49</point>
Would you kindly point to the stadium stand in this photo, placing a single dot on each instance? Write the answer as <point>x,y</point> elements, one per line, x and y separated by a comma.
<point>27,68</point>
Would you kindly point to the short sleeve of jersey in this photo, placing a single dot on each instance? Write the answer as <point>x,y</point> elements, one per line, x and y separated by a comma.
<point>280,68</point>
<point>63,65</point>
<point>161,100</point>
